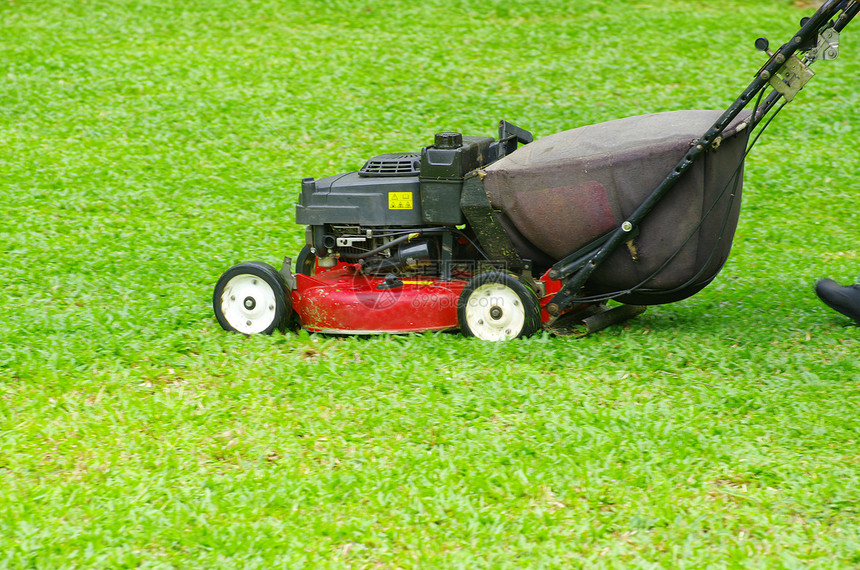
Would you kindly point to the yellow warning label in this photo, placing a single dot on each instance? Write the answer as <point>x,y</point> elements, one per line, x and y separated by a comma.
<point>400,200</point>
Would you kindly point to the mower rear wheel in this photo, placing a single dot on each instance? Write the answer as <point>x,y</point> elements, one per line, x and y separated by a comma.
<point>498,306</point>
<point>252,298</point>
<point>306,262</point>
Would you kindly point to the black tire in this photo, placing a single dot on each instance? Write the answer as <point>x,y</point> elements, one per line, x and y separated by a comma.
<point>252,298</point>
<point>498,306</point>
<point>306,262</point>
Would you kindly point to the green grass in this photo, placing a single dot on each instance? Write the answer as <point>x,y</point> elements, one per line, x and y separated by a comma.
<point>146,146</point>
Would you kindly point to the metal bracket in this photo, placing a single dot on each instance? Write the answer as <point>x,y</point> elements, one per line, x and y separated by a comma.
<point>509,136</point>
<point>349,241</point>
<point>475,205</point>
<point>287,274</point>
<point>791,78</point>
<point>510,130</point>
<point>447,256</point>
<point>591,318</point>
<point>827,48</point>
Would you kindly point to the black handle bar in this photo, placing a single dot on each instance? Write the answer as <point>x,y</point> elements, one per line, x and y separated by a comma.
<point>576,268</point>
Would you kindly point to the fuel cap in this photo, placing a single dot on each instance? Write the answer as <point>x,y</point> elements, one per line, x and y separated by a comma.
<point>448,140</point>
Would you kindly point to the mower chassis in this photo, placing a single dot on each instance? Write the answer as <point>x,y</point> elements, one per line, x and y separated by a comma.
<point>342,301</point>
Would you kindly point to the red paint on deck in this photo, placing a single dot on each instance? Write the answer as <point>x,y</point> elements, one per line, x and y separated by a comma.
<point>339,301</point>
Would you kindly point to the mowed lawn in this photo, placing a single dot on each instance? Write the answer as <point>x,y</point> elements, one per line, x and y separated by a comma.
<point>148,145</point>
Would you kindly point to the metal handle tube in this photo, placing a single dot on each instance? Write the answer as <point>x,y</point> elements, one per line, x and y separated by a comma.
<point>846,16</point>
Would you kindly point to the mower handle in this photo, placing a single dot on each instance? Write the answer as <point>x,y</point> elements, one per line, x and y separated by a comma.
<point>577,270</point>
<point>846,16</point>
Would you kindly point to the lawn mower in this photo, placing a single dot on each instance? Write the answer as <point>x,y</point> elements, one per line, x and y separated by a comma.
<point>502,237</point>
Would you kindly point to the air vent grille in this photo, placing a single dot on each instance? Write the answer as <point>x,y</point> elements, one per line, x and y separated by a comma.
<point>393,164</point>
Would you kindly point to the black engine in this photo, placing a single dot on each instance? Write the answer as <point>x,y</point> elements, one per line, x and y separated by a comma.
<point>401,212</point>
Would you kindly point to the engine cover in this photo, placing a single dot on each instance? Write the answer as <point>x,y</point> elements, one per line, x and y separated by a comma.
<point>397,189</point>
<point>354,199</point>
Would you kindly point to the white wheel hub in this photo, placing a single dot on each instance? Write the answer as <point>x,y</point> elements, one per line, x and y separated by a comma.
<point>495,312</point>
<point>248,304</point>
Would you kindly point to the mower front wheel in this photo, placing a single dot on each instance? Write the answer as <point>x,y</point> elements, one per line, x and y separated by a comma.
<point>252,298</point>
<point>498,306</point>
